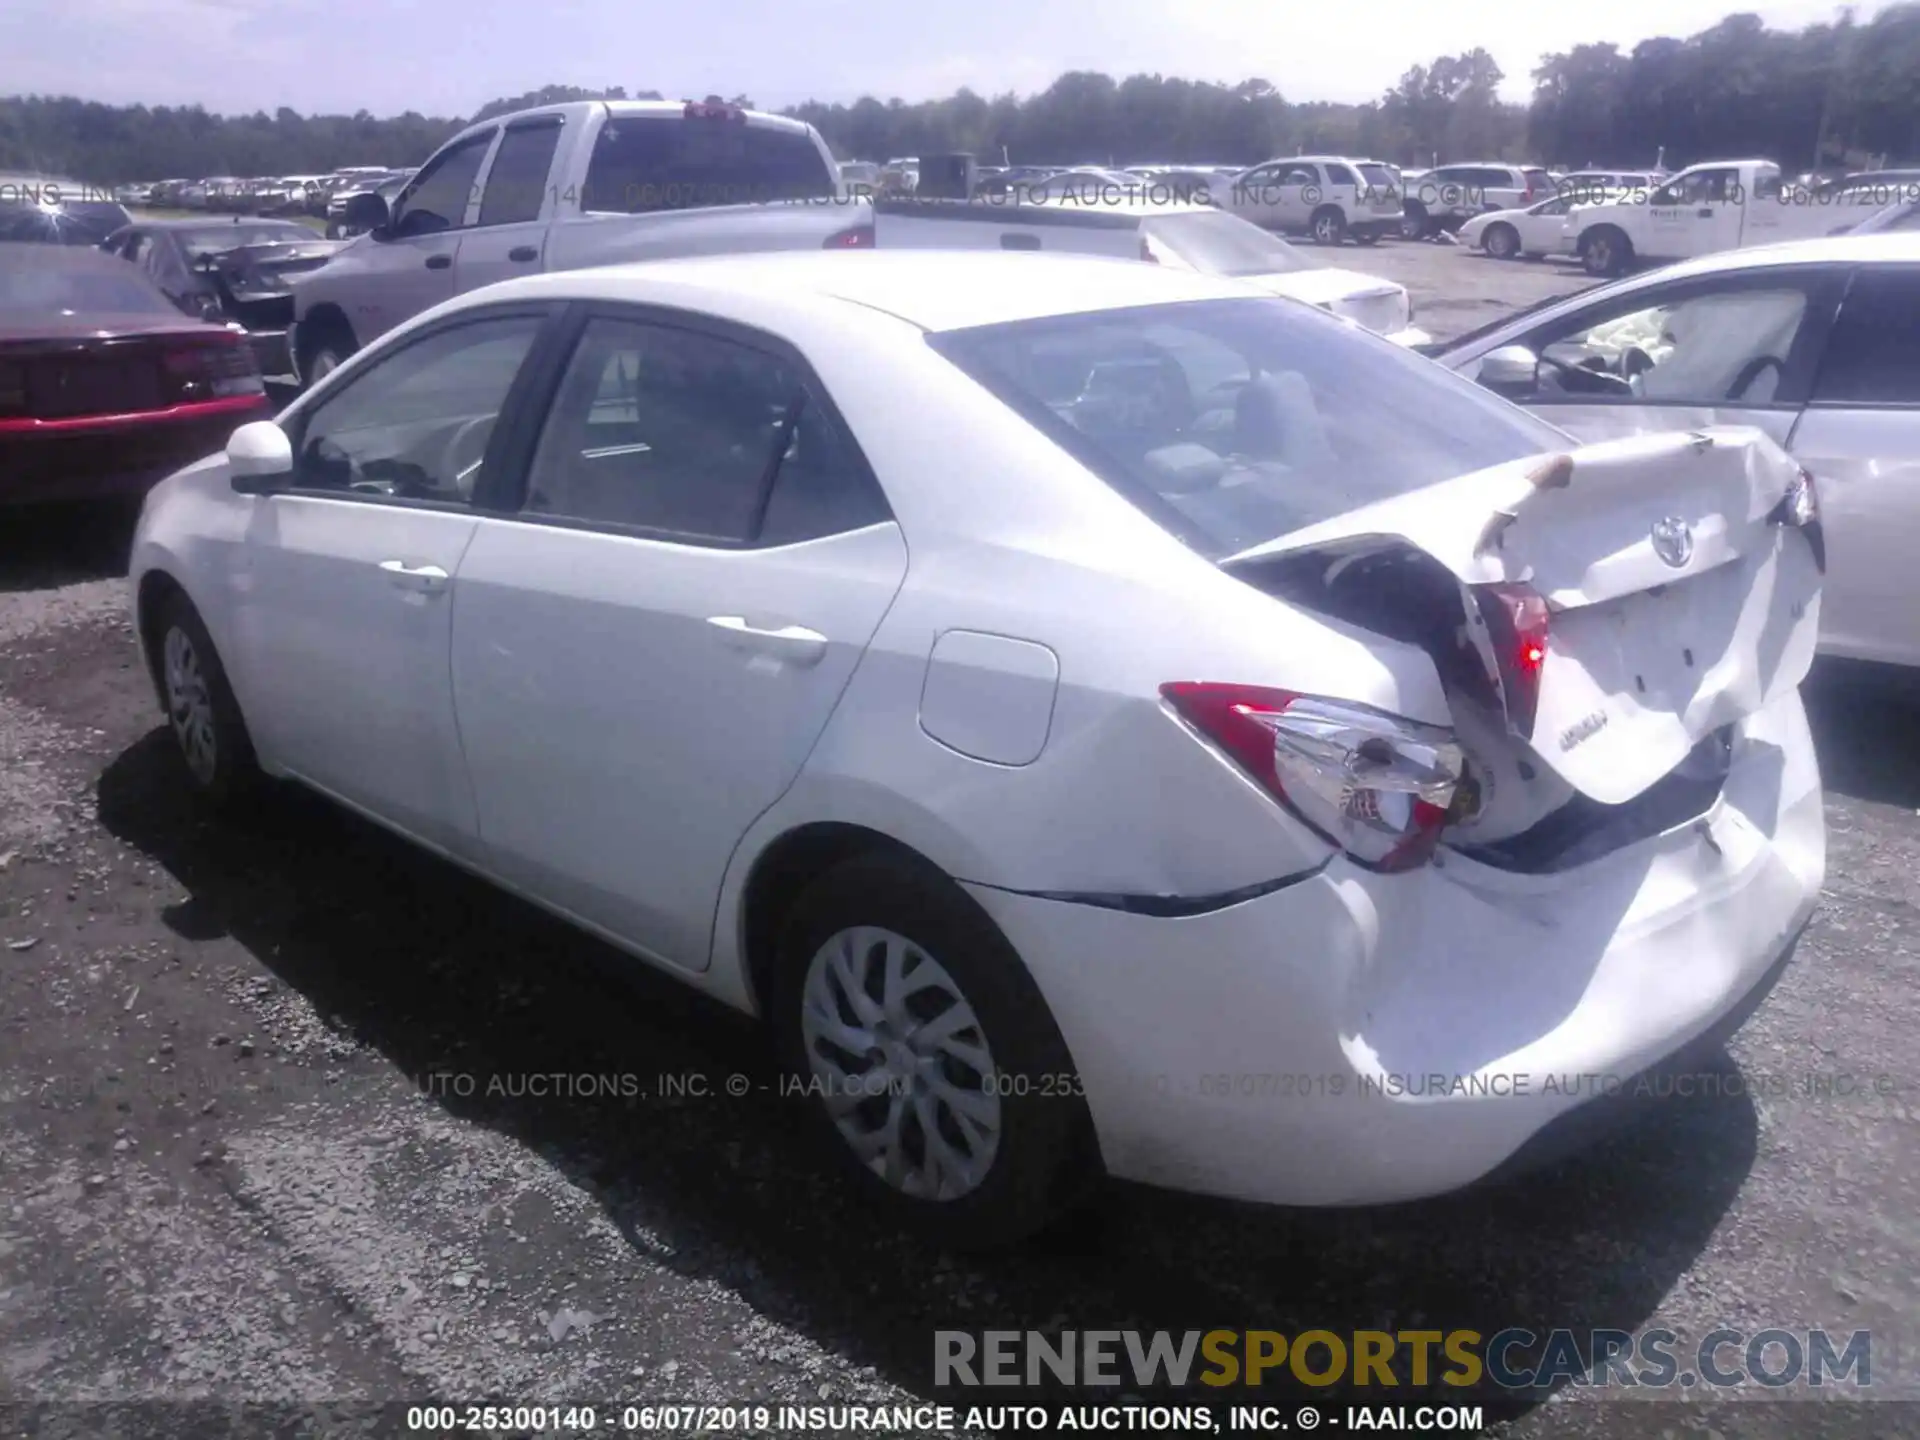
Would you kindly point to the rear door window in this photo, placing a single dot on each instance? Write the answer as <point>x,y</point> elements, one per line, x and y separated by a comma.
<point>676,163</point>
<point>1873,354</point>
<point>686,435</point>
<point>517,183</point>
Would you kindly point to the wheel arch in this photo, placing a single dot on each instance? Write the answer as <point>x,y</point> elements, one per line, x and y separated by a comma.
<point>781,872</point>
<point>323,319</point>
<point>150,596</point>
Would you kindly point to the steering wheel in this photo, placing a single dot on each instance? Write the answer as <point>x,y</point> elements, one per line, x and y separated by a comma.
<point>1588,381</point>
<point>1752,371</point>
<point>460,468</point>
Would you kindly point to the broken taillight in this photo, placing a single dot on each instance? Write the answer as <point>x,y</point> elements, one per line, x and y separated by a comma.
<point>1376,785</point>
<point>1800,508</point>
<point>1520,626</point>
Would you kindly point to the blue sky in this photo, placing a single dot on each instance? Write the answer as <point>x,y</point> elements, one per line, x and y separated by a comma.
<point>449,57</point>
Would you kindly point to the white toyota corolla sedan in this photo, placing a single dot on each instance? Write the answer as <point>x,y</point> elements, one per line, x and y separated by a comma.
<point>1105,719</point>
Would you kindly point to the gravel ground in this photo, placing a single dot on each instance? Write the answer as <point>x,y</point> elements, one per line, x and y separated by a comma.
<point>265,1128</point>
<point>1455,289</point>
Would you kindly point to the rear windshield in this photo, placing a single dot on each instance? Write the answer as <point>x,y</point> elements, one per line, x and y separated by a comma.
<point>1538,179</point>
<point>1222,244</point>
<point>1234,422</point>
<point>115,288</point>
<point>78,222</point>
<point>673,163</point>
<point>215,238</point>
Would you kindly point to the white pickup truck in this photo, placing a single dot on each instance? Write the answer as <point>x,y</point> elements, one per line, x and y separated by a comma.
<point>591,183</point>
<point>1721,205</point>
<point>565,187</point>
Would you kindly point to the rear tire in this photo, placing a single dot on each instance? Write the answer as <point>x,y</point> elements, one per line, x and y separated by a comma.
<point>1414,221</point>
<point>202,713</point>
<point>1605,251</point>
<point>959,1114</point>
<point>324,350</point>
<point>1328,226</point>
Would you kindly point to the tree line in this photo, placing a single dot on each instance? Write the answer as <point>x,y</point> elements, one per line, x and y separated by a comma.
<point>1838,94</point>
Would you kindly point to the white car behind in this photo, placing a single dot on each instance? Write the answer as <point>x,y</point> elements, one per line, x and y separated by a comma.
<point>1065,699</point>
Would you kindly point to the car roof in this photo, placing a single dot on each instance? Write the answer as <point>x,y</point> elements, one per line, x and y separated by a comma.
<point>929,289</point>
<point>1885,248</point>
<point>19,254</point>
<point>219,222</point>
<point>1890,247</point>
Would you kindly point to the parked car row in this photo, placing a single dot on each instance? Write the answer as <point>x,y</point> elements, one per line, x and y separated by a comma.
<point>284,195</point>
<point>1713,206</point>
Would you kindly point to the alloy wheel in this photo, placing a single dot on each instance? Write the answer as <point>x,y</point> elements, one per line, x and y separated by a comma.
<point>902,1062</point>
<point>190,706</point>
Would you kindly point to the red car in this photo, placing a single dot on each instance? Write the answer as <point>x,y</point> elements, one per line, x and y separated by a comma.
<point>105,387</point>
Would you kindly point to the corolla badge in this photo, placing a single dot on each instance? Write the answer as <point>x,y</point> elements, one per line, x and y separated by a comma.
<point>1673,540</point>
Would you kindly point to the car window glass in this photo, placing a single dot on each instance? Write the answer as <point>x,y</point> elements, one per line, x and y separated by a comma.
<point>1341,175</point>
<point>517,183</point>
<point>670,163</point>
<point>1300,175</point>
<point>439,200</point>
<point>664,429</point>
<point>1873,354</point>
<point>1235,421</point>
<point>415,425</point>
<point>1712,348</point>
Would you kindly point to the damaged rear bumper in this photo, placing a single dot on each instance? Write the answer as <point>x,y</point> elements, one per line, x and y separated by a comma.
<point>1359,1038</point>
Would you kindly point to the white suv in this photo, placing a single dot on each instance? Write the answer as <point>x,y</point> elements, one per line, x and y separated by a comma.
<point>1329,197</point>
<point>1446,198</point>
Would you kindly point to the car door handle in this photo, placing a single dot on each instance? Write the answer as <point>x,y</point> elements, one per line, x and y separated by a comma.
<point>789,642</point>
<point>439,262</point>
<point>523,253</point>
<point>415,577</point>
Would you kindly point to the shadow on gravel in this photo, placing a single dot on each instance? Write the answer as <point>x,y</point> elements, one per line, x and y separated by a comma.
<point>1866,726</point>
<point>47,545</point>
<point>441,973</point>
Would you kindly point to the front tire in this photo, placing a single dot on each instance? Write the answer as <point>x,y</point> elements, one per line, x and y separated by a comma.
<point>928,1060</point>
<point>1502,242</point>
<point>201,709</point>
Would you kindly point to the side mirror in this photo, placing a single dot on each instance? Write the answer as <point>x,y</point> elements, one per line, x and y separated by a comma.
<point>366,211</point>
<point>259,458</point>
<point>1511,367</point>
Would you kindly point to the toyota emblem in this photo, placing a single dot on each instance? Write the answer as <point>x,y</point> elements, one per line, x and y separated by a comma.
<point>1673,540</point>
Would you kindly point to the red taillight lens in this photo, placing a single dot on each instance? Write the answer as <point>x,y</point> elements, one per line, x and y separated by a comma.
<point>854,237</point>
<point>1376,785</point>
<point>1520,626</point>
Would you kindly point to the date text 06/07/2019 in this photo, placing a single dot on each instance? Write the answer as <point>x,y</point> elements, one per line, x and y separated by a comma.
<point>924,1419</point>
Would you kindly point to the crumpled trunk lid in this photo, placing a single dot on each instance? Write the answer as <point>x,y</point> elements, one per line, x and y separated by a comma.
<point>1676,599</point>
